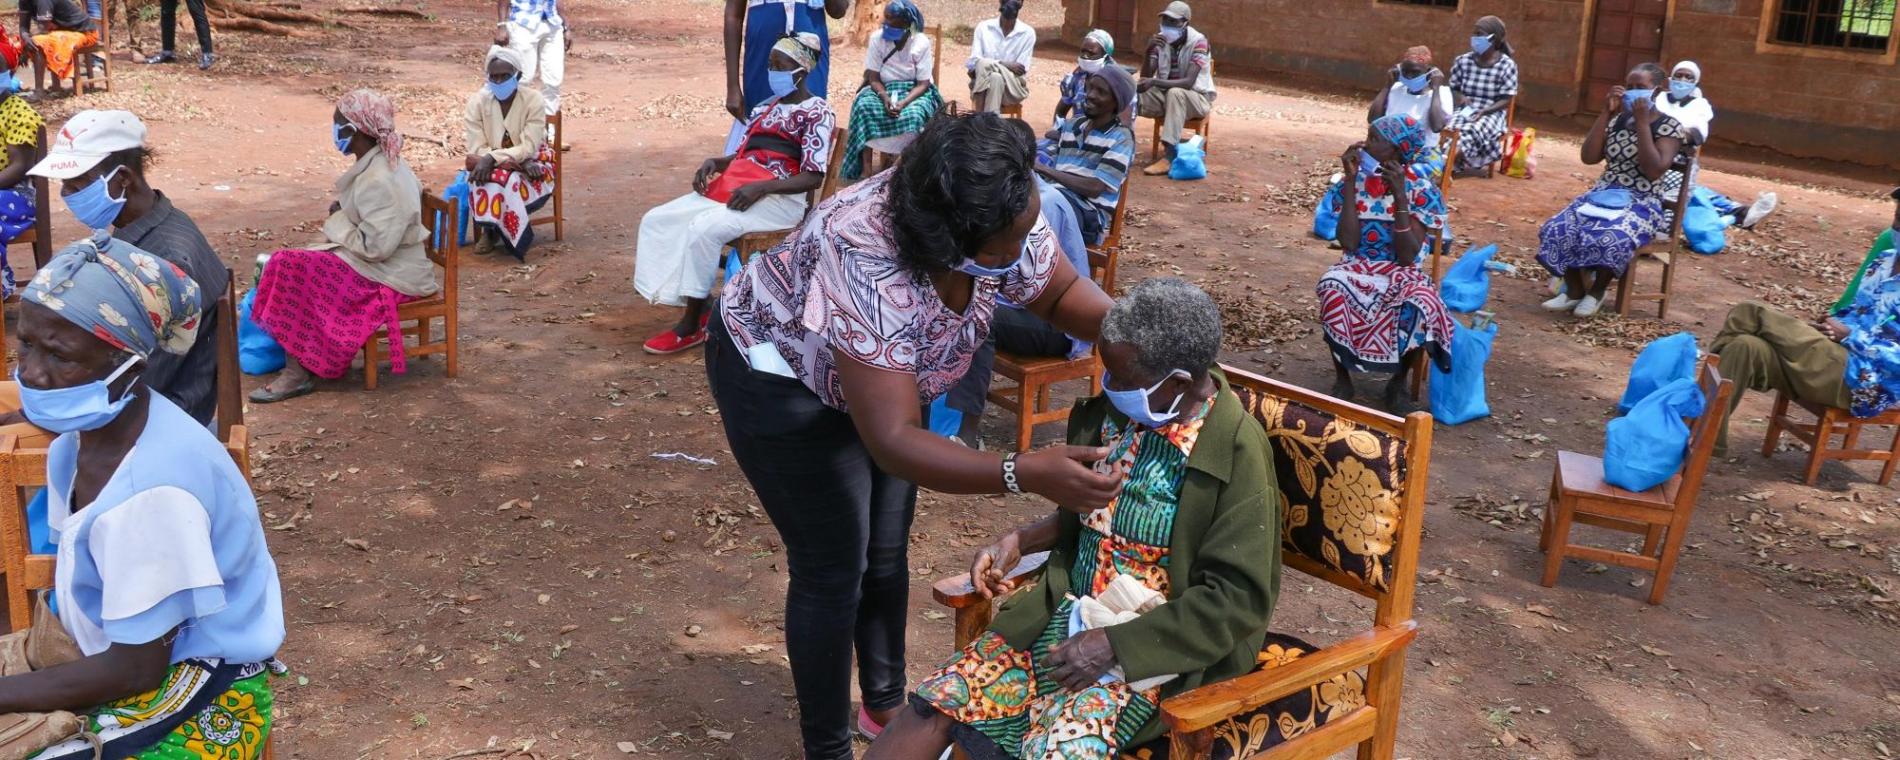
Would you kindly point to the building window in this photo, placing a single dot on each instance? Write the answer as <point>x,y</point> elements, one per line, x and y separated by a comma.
<point>1453,4</point>
<point>1840,24</point>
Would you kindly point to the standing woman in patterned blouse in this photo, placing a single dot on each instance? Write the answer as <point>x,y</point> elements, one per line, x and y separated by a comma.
<point>1601,230</point>
<point>1483,84</point>
<point>824,353</point>
<point>760,187</point>
<point>19,133</point>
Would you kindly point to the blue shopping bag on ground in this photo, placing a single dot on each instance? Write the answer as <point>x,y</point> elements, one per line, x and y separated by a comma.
<point>1645,448</point>
<point>1326,217</point>
<point>458,193</point>
<point>1458,396</point>
<point>258,352</point>
<point>1190,160</point>
<point>1663,361</point>
<point>1703,225</point>
<point>1467,283</point>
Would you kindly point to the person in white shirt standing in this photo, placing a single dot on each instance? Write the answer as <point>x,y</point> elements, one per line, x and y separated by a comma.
<point>1418,90</point>
<point>999,59</point>
<point>535,30</point>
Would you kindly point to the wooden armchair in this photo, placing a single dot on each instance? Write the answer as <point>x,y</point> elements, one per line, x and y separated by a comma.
<point>754,243</point>
<point>1305,701</point>
<point>1662,249</point>
<point>444,251</point>
<point>40,236</point>
<point>1028,399</point>
<point>555,215</point>
<point>1819,436</point>
<point>1661,514</point>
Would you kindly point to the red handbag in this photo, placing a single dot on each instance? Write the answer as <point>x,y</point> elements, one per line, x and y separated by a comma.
<point>739,173</point>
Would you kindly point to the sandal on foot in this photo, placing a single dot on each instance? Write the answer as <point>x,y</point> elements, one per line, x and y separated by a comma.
<point>265,395</point>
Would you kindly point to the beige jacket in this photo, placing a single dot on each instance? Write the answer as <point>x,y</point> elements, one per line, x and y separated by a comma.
<point>524,129</point>
<point>379,231</point>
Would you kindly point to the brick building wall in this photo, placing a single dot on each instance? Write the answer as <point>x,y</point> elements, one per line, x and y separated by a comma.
<point>1844,107</point>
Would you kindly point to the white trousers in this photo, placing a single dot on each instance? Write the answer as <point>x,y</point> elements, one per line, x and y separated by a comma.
<point>680,242</point>
<point>542,51</point>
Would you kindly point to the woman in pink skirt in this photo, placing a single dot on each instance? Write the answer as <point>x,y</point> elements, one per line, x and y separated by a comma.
<point>322,303</point>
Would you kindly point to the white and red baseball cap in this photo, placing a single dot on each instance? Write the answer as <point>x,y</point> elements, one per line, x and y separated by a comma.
<point>87,138</point>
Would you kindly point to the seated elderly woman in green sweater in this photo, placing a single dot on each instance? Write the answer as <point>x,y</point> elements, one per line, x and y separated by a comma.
<point>1166,588</point>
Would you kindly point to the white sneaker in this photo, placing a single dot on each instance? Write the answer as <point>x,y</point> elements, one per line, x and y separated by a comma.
<point>1763,206</point>
<point>1556,286</point>
<point>1561,303</point>
<point>1587,307</point>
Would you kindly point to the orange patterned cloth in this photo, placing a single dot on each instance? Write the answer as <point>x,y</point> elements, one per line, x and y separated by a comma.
<point>59,48</point>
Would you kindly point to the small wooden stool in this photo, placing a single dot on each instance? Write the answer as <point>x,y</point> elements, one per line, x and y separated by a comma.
<point>1819,436</point>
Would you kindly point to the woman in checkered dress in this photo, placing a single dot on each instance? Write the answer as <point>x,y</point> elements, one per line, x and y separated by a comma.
<point>1483,83</point>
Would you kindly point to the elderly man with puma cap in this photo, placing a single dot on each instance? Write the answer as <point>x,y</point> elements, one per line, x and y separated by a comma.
<point>99,159</point>
<point>1177,78</point>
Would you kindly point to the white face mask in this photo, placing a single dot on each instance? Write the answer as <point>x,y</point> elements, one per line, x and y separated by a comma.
<point>1090,65</point>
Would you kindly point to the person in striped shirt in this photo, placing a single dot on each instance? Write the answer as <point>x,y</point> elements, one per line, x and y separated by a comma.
<point>1081,186</point>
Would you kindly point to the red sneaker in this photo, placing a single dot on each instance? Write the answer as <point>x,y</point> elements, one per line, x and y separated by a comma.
<point>669,342</point>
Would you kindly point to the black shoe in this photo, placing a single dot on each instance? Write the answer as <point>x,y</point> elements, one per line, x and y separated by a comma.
<point>163,57</point>
<point>205,60</point>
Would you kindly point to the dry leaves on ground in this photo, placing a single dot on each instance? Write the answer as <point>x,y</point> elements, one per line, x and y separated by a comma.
<point>1617,332</point>
<point>1254,319</point>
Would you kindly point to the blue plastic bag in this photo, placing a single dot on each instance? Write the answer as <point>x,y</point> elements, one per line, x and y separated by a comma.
<point>1664,361</point>
<point>944,421</point>
<point>1644,448</point>
<point>1326,217</point>
<point>1467,283</point>
<point>258,352</point>
<point>1190,160</point>
<point>1458,396</point>
<point>458,193</point>
<point>1702,225</point>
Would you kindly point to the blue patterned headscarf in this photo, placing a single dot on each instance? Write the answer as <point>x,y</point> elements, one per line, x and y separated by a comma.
<point>909,12</point>
<point>1415,151</point>
<point>131,299</point>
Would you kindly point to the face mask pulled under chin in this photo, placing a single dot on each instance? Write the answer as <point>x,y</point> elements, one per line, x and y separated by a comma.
<point>88,406</point>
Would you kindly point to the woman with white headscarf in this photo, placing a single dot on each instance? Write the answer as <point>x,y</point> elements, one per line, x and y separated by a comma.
<point>1684,101</point>
<point>760,187</point>
<point>506,128</point>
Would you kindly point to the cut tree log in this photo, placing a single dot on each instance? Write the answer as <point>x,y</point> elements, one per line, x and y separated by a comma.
<point>261,27</point>
<point>401,12</point>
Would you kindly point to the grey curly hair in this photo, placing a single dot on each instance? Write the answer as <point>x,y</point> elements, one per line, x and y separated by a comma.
<point>1172,325</point>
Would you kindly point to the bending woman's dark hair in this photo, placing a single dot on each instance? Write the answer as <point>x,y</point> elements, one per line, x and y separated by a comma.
<point>964,179</point>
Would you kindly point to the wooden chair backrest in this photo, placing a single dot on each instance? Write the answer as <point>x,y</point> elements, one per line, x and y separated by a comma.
<point>436,211</point>
<point>936,56</point>
<point>1114,237</point>
<point>1685,165</point>
<point>101,13</point>
<point>1703,431</point>
<point>21,470</point>
<point>230,377</point>
<point>833,165</point>
<point>1329,430</point>
<point>42,207</point>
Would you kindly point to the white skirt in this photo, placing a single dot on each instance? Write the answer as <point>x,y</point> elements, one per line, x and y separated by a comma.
<point>677,255</point>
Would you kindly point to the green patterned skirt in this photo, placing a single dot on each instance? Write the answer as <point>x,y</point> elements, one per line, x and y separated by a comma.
<point>205,710</point>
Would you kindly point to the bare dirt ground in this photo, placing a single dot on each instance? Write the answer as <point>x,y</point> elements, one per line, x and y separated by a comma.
<point>495,565</point>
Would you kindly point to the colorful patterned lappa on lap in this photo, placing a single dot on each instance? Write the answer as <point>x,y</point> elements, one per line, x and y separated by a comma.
<point>1001,693</point>
<point>203,711</point>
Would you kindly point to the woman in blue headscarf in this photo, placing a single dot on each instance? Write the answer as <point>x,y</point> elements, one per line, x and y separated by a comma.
<point>899,93</point>
<point>1377,308</point>
<point>169,611</point>
<point>758,25</point>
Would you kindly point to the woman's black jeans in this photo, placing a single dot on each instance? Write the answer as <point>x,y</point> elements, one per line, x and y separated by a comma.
<point>846,529</point>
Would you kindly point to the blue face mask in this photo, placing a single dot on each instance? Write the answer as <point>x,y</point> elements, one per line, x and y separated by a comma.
<point>1416,85</point>
<point>94,205</point>
<point>893,33</point>
<point>1631,96</point>
<point>1367,164</point>
<point>342,142</point>
<point>1681,89</point>
<point>1481,44</point>
<point>781,82</point>
<point>504,90</point>
<point>69,410</point>
<point>1136,406</point>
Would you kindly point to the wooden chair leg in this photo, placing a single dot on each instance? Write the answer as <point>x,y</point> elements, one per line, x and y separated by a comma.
<point>370,360</point>
<point>453,356</point>
<point>1893,458</point>
<point>1668,276</point>
<point>1651,539</point>
<point>1025,417</point>
<point>1623,288</point>
<point>1154,153</point>
<point>1384,681</point>
<point>1777,423</point>
<point>1823,439</point>
<point>1559,539</point>
<point>1666,564</point>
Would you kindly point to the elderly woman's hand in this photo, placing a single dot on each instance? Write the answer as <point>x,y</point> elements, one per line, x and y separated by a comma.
<point>1063,475</point>
<point>501,35</point>
<point>991,566</point>
<point>1082,660</point>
